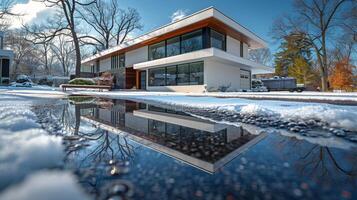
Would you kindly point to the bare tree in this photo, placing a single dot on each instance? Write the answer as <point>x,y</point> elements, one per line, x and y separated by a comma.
<point>40,36</point>
<point>69,9</point>
<point>5,8</point>
<point>317,19</point>
<point>24,51</point>
<point>5,12</point>
<point>101,16</point>
<point>262,56</point>
<point>127,22</point>
<point>63,49</point>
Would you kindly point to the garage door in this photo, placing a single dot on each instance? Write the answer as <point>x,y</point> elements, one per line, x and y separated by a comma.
<point>244,80</point>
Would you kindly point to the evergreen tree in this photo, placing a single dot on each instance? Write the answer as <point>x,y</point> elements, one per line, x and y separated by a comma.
<point>294,58</point>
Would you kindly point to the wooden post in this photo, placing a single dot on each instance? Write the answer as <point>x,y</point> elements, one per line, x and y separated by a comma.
<point>137,83</point>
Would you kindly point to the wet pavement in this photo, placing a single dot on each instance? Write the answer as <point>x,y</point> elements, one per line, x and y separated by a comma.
<point>121,149</point>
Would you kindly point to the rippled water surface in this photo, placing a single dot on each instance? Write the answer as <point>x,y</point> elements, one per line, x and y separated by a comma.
<point>132,150</point>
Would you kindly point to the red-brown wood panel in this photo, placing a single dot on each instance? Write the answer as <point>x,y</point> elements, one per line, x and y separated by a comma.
<point>130,78</point>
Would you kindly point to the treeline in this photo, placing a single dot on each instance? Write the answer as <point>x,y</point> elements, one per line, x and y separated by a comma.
<point>76,29</point>
<point>318,43</point>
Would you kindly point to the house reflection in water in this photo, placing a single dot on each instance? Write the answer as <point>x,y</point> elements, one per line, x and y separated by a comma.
<point>203,144</point>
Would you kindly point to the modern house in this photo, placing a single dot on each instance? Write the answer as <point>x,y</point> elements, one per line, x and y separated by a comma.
<point>204,51</point>
<point>6,57</point>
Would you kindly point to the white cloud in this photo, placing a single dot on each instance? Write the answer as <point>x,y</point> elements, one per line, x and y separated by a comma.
<point>55,185</point>
<point>178,14</point>
<point>29,12</point>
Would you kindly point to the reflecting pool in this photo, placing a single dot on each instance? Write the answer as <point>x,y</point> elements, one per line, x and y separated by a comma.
<point>123,149</point>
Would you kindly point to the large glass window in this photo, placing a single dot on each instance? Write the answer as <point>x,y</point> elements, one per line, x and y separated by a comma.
<point>171,74</point>
<point>157,77</point>
<point>191,41</point>
<point>196,73</point>
<point>183,74</point>
<point>157,51</point>
<point>188,42</point>
<point>218,40</point>
<point>173,46</point>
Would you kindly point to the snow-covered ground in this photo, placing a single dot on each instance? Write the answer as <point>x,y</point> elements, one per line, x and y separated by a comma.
<point>340,116</point>
<point>27,152</point>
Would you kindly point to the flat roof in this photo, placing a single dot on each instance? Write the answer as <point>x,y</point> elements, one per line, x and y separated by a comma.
<point>231,25</point>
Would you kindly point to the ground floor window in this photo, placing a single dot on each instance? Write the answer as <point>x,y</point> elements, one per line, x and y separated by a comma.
<point>183,74</point>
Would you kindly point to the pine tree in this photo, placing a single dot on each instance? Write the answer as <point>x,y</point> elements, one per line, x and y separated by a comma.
<point>294,58</point>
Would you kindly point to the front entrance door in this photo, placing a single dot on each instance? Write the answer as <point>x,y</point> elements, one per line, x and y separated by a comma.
<point>143,80</point>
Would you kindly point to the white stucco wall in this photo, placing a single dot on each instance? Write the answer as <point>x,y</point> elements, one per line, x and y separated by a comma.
<point>245,50</point>
<point>178,88</point>
<point>136,56</point>
<point>233,46</point>
<point>218,74</point>
<point>105,65</point>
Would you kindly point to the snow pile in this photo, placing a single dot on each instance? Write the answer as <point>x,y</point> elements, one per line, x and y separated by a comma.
<point>54,185</point>
<point>253,109</point>
<point>24,147</point>
<point>335,116</point>
<point>27,152</point>
<point>23,152</point>
<point>338,116</point>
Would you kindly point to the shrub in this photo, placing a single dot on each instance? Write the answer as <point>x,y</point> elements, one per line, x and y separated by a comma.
<point>81,81</point>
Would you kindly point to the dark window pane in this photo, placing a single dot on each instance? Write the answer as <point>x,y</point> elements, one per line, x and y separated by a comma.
<point>191,41</point>
<point>183,74</point>
<point>173,46</point>
<point>157,50</point>
<point>122,60</point>
<point>157,77</point>
<point>171,75</point>
<point>172,129</point>
<point>196,73</point>
<point>217,40</point>
<point>156,127</point>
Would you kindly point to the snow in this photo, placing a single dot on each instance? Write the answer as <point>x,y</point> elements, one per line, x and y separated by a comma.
<point>339,116</point>
<point>54,185</point>
<point>24,146</point>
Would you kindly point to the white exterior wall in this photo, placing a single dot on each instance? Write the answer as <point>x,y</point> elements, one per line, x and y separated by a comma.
<point>245,50</point>
<point>218,74</point>
<point>136,56</point>
<point>105,65</point>
<point>233,46</point>
<point>177,88</point>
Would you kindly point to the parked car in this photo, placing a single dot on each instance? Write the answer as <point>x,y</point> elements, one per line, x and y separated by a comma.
<point>22,81</point>
<point>258,86</point>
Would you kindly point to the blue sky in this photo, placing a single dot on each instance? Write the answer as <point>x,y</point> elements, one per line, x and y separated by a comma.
<point>256,15</point>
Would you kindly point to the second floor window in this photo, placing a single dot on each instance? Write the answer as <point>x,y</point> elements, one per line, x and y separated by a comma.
<point>188,42</point>
<point>157,51</point>
<point>192,41</point>
<point>218,40</point>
